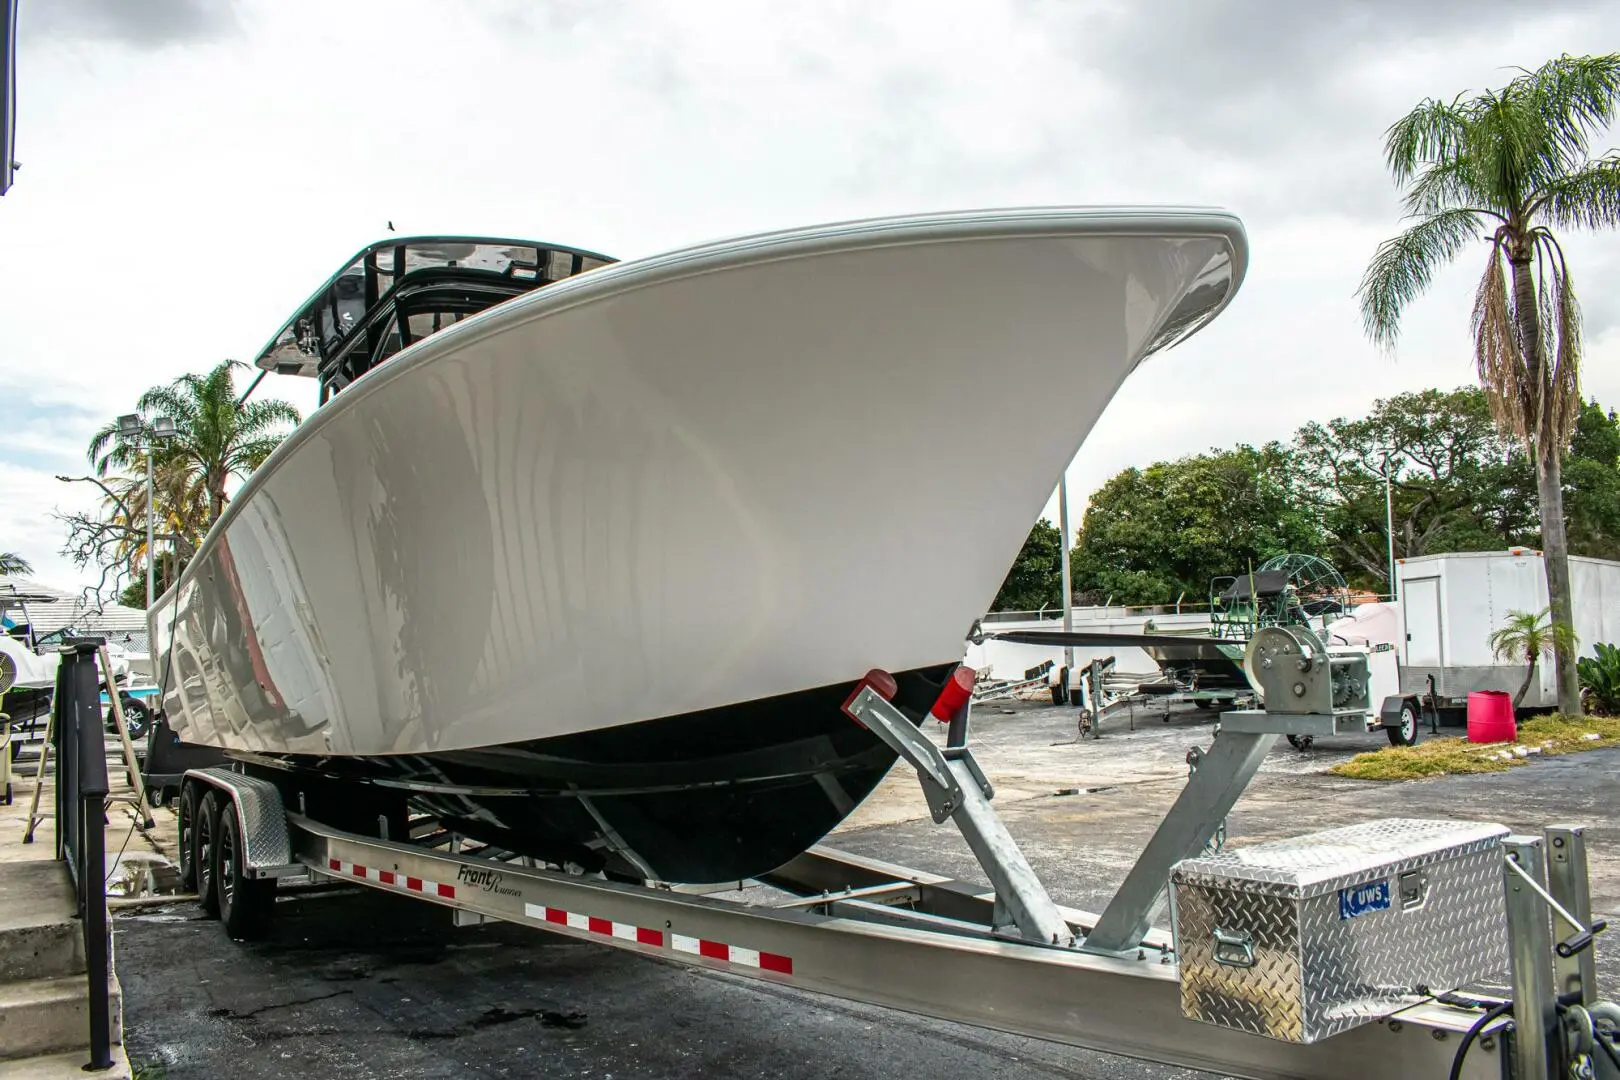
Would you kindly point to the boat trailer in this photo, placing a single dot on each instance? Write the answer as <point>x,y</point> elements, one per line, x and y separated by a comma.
<point>1245,998</point>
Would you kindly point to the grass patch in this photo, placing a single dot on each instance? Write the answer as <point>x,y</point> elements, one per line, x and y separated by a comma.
<point>1457,756</point>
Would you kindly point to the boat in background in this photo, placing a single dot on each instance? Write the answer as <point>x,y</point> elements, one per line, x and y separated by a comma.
<point>582,559</point>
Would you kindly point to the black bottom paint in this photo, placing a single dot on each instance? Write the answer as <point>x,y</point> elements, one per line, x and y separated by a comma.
<point>713,796</point>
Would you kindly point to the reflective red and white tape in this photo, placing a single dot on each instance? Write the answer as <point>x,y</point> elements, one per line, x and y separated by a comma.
<point>663,939</point>
<point>390,877</point>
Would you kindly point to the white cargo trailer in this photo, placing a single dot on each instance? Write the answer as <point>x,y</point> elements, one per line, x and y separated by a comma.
<point>1451,604</point>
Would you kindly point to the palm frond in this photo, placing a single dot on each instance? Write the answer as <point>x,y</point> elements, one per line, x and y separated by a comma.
<point>249,455</point>
<point>1562,406</point>
<point>1435,131</point>
<point>1588,198</point>
<point>98,451</point>
<point>1524,636</point>
<point>11,563</point>
<point>256,417</point>
<point>165,401</point>
<point>1451,185</point>
<point>1404,266</point>
<point>1513,153</point>
<point>1502,372</point>
<point>1574,96</point>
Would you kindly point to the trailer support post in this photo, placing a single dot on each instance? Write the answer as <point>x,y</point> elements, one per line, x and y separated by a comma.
<point>957,790</point>
<point>1535,1012</point>
<point>1568,882</point>
<point>1203,804</point>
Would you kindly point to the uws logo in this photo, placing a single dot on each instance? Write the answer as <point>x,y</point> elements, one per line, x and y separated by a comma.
<point>483,878</point>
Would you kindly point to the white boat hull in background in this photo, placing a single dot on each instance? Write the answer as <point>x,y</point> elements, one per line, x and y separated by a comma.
<point>674,484</point>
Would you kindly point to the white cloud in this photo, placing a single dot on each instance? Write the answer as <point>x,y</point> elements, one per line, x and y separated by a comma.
<point>192,170</point>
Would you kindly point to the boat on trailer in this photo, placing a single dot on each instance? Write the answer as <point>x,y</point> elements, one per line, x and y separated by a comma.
<point>584,558</point>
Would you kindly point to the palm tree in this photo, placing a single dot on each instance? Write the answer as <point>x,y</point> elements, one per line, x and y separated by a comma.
<point>1507,166</point>
<point>1525,638</point>
<point>217,439</point>
<point>12,563</point>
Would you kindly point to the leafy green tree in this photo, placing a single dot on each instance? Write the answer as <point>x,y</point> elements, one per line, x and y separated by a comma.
<point>12,563</point>
<point>1036,578</point>
<point>1453,486</point>
<point>1153,535</point>
<point>1592,484</point>
<point>217,440</point>
<point>1525,638</point>
<point>1510,165</point>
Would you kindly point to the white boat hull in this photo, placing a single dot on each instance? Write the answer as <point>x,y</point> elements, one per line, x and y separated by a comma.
<point>674,484</point>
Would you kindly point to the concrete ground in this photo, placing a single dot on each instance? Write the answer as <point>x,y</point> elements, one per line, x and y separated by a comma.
<point>377,986</point>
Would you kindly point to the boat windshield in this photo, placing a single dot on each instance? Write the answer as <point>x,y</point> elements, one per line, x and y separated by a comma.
<point>397,292</point>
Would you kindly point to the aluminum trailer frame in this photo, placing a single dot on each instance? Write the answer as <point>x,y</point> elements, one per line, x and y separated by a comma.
<point>836,942</point>
<point>1007,957</point>
<point>1129,1006</point>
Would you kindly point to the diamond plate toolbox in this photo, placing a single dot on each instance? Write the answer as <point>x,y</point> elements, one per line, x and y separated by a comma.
<point>1301,939</point>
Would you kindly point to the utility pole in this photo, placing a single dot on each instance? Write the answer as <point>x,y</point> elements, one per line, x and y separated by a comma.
<point>1068,589</point>
<point>133,429</point>
<point>1389,528</point>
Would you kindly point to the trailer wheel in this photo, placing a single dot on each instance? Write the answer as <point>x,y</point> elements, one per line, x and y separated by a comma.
<point>186,847</point>
<point>202,852</point>
<point>1404,733</point>
<point>244,903</point>
<point>1301,742</point>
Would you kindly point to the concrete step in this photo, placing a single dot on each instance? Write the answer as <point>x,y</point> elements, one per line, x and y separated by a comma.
<point>46,1016</point>
<point>68,1066</point>
<point>39,936</point>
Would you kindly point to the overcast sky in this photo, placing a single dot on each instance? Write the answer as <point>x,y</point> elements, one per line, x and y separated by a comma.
<point>193,168</point>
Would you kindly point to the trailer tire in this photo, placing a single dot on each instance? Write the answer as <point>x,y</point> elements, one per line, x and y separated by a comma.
<point>1405,733</point>
<point>186,844</point>
<point>244,903</point>
<point>202,850</point>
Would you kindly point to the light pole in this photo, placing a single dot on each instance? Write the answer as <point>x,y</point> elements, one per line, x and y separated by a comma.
<point>1068,591</point>
<point>132,429</point>
<point>1389,527</point>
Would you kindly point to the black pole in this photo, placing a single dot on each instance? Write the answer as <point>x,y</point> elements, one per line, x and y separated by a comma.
<point>61,718</point>
<point>89,746</point>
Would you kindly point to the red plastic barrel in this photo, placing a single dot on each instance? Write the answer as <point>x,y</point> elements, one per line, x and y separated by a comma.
<point>1490,716</point>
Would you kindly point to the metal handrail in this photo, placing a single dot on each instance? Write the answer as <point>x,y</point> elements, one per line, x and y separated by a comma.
<point>81,801</point>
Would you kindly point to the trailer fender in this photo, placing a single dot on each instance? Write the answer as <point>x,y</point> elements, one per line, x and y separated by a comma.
<point>1389,713</point>
<point>267,847</point>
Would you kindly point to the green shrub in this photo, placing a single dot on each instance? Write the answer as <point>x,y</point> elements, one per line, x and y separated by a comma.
<point>1600,679</point>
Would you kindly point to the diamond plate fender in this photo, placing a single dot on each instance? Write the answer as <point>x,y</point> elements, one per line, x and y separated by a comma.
<point>258,809</point>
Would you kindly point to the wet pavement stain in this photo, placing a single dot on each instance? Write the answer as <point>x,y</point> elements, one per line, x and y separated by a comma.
<point>498,1015</point>
<point>252,1014</point>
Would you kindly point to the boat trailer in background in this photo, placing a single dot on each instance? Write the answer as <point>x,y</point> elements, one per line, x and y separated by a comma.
<point>1315,958</point>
